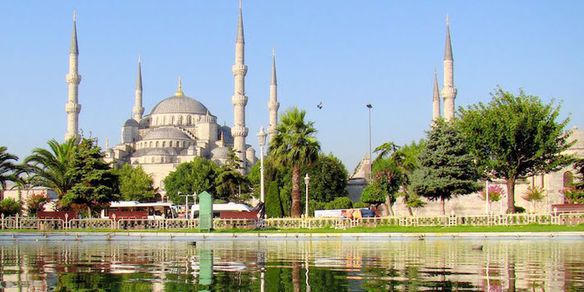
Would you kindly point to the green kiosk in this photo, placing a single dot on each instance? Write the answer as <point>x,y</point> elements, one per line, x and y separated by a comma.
<point>205,212</point>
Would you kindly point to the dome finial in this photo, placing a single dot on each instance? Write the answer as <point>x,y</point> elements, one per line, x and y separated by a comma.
<point>179,91</point>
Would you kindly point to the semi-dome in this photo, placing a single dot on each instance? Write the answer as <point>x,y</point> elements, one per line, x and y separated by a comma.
<point>131,123</point>
<point>220,153</point>
<point>166,133</point>
<point>179,104</point>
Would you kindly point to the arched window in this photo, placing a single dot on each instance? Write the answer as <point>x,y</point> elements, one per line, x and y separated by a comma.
<point>163,144</point>
<point>180,119</point>
<point>172,120</point>
<point>156,144</point>
<point>568,179</point>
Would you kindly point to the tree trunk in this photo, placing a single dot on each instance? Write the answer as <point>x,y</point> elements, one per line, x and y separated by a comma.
<point>511,195</point>
<point>389,206</point>
<point>296,208</point>
<point>443,204</point>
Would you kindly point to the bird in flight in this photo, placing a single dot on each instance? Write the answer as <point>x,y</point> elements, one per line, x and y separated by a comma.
<point>320,105</point>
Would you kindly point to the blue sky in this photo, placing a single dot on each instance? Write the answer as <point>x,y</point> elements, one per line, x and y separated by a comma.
<point>343,53</point>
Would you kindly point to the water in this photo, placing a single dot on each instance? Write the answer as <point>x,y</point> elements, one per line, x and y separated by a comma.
<point>293,265</point>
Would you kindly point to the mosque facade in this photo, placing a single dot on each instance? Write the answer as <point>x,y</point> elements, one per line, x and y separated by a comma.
<point>178,128</point>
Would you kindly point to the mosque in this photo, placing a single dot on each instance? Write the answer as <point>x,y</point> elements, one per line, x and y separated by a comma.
<point>179,128</point>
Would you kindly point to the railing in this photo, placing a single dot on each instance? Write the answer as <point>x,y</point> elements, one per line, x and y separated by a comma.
<point>289,223</point>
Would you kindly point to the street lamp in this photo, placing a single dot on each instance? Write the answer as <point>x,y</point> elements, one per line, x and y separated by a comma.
<point>306,182</point>
<point>369,106</point>
<point>262,140</point>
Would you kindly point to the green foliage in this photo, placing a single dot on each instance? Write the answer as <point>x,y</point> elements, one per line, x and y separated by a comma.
<point>328,178</point>
<point>230,183</point>
<point>360,204</point>
<point>274,208</point>
<point>51,168</point>
<point>191,177</point>
<point>295,146</point>
<point>35,202</point>
<point>534,194</point>
<point>339,203</point>
<point>96,184</point>
<point>515,136</point>
<point>9,207</point>
<point>135,184</point>
<point>574,196</point>
<point>446,167</point>
<point>373,194</point>
<point>8,168</point>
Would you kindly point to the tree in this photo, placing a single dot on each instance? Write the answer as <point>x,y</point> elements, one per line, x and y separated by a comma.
<point>295,146</point>
<point>373,194</point>
<point>409,162</point>
<point>230,182</point>
<point>135,184</point>
<point>273,204</point>
<point>513,137</point>
<point>446,167</point>
<point>9,207</point>
<point>191,177</point>
<point>534,194</point>
<point>328,178</point>
<point>95,183</point>
<point>8,169</point>
<point>49,168</point>
<point>35,202</point>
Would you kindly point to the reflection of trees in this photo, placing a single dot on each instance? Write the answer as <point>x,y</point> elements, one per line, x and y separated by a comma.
<point>553,265</point>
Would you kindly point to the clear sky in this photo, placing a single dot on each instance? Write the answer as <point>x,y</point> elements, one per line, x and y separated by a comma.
<point>343,53</point>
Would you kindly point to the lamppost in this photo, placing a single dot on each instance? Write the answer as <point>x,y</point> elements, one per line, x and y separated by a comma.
<point>369,106</point>
<point>262,140</point>
<point>306,182</point>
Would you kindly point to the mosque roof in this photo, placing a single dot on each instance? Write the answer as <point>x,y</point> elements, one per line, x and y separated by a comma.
<point>179,104</point>
<point>220,153</point>
<point>131,123</point>
<point>166,133</point>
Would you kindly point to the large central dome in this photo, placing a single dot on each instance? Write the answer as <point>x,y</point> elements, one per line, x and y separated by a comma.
<point>179,104</point>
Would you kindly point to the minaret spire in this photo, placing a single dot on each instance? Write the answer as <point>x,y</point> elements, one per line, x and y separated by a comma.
<point>436,99</point>
<point>448,90</point>
<point>239,99</point>
<point>273,104</point>
<point>72,107</point>
<point>138,109</point>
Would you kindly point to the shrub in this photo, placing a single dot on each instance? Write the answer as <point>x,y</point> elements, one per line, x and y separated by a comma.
<point>339,203</point>
<point>35,203</point>
<point>495,193</point>
<point>9,207</point>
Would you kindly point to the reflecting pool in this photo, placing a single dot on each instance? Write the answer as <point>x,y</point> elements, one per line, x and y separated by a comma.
<point>294,265</point>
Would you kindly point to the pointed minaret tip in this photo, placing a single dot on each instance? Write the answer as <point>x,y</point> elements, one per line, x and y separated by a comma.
<point>436,90</point>
<point>240,37</point>
<point>274,79</point>
<point>74,47</point>
<point>139,78</point>
<point>448,45</point>
<point>179,90</point>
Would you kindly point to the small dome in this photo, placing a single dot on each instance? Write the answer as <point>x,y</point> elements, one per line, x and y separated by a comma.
<point>166,133</point>
<point>220,153</point>
<point>131,123</point>
<point>179,104</point>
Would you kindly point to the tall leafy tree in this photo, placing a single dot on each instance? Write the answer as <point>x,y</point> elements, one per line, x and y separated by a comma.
<point>95,183</point>
<point>230,183</point>
<point>409,162</point>
<point>295,146</point>
<point>447,168</point>
<point>8,169</point>
<point>135,184</point>
<point>515,136</point>
<point>328,178</point>
<point>191,177</point>
<point>49,167</point>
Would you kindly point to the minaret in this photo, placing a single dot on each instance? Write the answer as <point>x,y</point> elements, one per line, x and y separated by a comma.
<point>448,90</point>
<point>273,104</point>
<point>239,100</point>
<point>436,100</point>
<point>72,107</point>
<point>138,109</point>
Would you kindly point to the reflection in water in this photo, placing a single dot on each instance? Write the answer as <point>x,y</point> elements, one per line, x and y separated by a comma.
<point>538,265</point>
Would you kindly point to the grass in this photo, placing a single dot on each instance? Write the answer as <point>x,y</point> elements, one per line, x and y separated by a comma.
<point>390,229</point>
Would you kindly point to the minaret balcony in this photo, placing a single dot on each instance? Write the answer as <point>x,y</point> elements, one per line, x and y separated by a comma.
<point>73,78</point>
<point>72,108</point>
<point>239,69</point>
<point>239,131</point>
<point>239,99</point>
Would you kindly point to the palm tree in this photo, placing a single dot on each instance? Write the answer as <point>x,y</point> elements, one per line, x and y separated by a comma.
<point>8,170</point>
<point>48,168</point>
<point>295,145</point>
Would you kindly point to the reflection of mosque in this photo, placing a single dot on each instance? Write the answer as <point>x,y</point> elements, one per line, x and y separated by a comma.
<point>294,264</point>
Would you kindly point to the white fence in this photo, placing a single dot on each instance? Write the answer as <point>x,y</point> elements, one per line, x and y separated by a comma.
<point>31,223</point>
